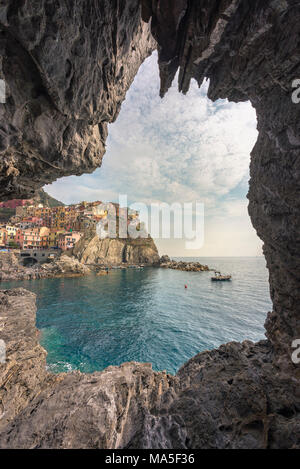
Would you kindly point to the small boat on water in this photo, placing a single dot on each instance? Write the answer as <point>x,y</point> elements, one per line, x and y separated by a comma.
<point>221,278</point>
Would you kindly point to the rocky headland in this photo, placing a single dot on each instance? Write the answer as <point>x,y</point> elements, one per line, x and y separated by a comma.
<point>233,397</point>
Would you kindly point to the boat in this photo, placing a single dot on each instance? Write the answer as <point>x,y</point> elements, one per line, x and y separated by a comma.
<point>221,278</point>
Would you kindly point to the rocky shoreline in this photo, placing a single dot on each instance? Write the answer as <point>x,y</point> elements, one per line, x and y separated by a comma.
<point>70,266</point>
<point>232,397</point>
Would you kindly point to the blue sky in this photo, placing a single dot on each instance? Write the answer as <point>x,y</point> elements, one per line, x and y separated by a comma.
<point>179,149</point>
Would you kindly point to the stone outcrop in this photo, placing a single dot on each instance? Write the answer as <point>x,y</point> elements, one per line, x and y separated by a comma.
<point>92,250</point>
<point>167,263</point>
<point>233,397</point>
<point>24,374</point>
<point>67,67</point>
<point>64,266</point>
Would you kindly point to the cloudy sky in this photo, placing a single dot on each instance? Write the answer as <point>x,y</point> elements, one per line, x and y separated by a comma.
<point>179,149</point>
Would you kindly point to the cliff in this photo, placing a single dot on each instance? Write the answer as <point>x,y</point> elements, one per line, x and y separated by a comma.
<point>233,397</point>
<point>90,249</point>
<point>45,199</point>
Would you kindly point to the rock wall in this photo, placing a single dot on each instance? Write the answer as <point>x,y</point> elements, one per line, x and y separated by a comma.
<point>90,249</point>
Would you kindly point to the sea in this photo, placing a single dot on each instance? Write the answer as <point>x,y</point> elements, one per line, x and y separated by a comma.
<point>88,323</point>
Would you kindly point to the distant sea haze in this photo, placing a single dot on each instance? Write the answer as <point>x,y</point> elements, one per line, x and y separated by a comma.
<point>92,322</point>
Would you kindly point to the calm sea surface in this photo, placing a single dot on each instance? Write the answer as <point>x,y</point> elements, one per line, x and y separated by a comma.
<point>147,315</point>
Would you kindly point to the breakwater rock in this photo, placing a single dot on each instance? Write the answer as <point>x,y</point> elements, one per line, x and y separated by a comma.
<point>64,266</point>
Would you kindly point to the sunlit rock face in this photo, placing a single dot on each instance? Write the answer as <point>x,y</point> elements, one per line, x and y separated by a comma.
<point>249,51</point>
<point>67,67</point>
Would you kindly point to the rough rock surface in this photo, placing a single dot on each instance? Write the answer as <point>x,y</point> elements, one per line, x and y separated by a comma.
<point>167,263</point>
<point>24,374</point>
<point>67,67</point>
<point>64,266</point>
<point>233,397</point>
<point>90,249</point>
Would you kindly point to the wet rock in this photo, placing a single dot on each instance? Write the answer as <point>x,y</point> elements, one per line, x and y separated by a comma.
<point>165,259</point>
<point>64,266</point>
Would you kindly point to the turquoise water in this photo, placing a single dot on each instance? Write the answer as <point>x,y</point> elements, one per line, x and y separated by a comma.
<point>92,322</point>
